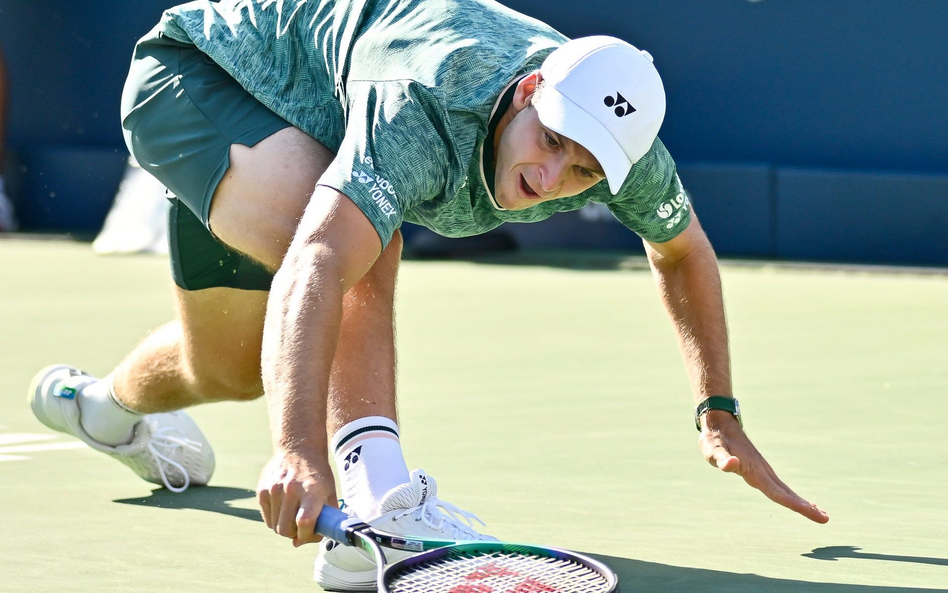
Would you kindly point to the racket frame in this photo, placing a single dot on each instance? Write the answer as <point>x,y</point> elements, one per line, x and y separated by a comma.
<point>612,580</point>
<point>336,525</point>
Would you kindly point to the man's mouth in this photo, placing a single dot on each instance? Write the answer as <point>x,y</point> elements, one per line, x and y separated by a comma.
<point>526,189</point>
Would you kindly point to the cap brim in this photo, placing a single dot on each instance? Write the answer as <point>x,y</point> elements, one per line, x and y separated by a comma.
<point>567,118</point>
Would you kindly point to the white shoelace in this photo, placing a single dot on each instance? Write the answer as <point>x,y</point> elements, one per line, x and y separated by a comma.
<point>170,439</point>
<point>430,508</point>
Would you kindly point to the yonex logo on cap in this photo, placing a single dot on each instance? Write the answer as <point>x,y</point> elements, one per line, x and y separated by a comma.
<point>617,101</point>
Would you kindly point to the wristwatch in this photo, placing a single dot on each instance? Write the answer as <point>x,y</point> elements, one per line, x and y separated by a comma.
<point>718,402</point>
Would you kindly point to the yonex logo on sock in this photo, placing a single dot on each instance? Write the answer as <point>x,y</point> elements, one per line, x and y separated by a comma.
<point>352,458</point>
<point>617,101</point>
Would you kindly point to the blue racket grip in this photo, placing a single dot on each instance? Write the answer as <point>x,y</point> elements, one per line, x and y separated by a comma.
<point>332,523</point>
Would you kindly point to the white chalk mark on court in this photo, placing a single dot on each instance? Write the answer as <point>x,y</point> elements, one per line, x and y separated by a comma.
<point>23,437</point>
<point>23,442</point>
<point>45,447</point>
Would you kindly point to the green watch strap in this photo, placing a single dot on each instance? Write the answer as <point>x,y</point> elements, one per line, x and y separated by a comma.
<point>718,402</point>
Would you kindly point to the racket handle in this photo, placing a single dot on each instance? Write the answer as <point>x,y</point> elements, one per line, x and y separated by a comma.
<point>332,523</point>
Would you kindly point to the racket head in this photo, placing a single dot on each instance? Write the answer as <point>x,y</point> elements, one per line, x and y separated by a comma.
<point>498,567</point>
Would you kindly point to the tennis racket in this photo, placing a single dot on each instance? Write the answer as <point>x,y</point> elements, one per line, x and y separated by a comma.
<point>473,567</point>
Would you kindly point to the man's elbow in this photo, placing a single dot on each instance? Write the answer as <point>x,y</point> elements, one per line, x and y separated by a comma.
<point>690,246</point>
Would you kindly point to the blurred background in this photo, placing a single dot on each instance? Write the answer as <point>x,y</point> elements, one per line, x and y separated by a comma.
<point>803,129</point>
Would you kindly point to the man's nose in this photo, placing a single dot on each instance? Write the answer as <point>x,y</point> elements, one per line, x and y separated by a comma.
<point>555,171</point>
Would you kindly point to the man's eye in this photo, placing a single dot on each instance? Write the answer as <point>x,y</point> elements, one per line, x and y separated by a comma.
<point>586,173</point>
<point>551,140</point>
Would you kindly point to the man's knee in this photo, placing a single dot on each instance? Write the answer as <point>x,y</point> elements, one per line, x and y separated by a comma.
<point>224,383</point>
<point>222,332</point>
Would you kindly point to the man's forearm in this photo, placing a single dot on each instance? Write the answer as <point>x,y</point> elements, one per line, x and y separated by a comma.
<point>334,246</point>
<point>690,289</point>
<point>303,316</point>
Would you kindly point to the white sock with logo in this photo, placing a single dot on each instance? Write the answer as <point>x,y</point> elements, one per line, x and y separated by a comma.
<point>369,463</point>
<point>103,417</point>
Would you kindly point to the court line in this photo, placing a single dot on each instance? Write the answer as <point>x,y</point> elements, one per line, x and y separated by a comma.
<point>23,437</point>
<point>28,442</point>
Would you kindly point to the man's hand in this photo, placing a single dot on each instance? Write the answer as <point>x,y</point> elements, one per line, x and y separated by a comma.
<point>291,493</point>
<point>726,447</point>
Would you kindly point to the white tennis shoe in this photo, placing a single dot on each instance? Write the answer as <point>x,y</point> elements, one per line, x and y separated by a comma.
<point>8,222</point>
<point>412,509</point>
<point>167,449</point>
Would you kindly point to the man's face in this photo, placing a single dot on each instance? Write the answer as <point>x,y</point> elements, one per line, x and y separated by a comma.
<point>535,164</point>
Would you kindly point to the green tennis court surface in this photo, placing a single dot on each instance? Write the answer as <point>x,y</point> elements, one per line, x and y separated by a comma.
<point>550,401</point>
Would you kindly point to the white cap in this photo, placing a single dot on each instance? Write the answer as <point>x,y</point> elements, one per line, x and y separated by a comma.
<point>605,95</point>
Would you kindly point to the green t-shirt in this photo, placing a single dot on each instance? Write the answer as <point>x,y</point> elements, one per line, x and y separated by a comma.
<point>403,91</point>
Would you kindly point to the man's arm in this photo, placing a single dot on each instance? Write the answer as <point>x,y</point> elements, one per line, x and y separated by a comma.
<point>686,272</point>
<point>334,246</point>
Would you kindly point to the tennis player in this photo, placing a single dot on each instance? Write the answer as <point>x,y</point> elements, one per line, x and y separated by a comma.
<point>296,138</point>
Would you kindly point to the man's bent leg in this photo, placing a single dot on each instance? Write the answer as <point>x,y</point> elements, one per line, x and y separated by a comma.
<point>211,352</point>
<point>259,202</point>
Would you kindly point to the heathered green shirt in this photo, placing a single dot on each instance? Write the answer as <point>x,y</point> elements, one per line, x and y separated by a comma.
<point>403,92</point>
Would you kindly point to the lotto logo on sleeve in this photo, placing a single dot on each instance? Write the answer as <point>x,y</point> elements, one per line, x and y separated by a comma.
<point>381,191</point>
<point>673,210</point>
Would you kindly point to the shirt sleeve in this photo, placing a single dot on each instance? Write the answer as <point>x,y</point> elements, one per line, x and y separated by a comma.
<point>652,202</point>
<point>393,155</point>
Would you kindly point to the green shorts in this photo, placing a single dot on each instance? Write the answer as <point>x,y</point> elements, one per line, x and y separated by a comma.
<point>181,113</point>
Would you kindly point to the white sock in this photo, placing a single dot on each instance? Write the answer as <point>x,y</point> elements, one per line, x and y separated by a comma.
<point>103,417</point>
<point>369,463</point>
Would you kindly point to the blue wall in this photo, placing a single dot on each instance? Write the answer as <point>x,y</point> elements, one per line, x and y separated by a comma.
<point>67,61</point>
<point>808,83</point>
<point>804,129</point>
<point>808,129</point>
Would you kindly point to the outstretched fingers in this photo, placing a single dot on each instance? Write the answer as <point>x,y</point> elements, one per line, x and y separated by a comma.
<point>773,488</point>
<point>731,451</point>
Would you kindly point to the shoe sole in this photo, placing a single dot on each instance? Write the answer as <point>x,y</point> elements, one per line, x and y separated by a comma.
<point>38,397</point>
<point>332,578</point>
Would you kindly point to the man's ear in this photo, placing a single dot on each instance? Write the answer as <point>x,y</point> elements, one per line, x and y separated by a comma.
<point>525,89</point>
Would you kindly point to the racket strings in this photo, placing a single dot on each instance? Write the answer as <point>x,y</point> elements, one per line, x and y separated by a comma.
<point>497,572</point>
